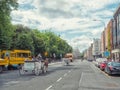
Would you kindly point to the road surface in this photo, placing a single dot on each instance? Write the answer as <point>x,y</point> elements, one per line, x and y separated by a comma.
<point>76,76</point>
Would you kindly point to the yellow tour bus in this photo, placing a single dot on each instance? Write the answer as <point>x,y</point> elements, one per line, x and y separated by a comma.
<point>13,58</point>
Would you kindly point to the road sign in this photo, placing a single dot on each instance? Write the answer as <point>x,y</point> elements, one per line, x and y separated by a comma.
<point>106,53</point>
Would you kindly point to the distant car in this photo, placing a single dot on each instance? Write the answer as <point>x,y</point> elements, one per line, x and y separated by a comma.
<point>103,65</point>
<point>90,60</point>
<point>112,68</point>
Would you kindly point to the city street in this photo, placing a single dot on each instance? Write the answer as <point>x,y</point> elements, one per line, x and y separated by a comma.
<point>59,44</point>
<point>76,76</point>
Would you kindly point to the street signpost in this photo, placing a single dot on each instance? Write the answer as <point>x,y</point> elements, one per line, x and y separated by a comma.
<point>106,53</point>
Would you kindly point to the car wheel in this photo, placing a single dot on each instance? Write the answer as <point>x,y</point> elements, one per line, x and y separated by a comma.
<point>43,69</point>
<point>109,72</point>
<point>105,70</point>
<point>101,68</point>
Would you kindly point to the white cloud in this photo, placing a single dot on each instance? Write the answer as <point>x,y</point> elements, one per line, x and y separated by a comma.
<point>82,42</point>
<point>71,16</point>
<point>25,1</point>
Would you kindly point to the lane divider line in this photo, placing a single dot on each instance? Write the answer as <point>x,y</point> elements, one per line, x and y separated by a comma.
<point>69,71</point>
<point>49,87</point>
<point>59,79</point>
<point>81,79</point>
<point>65,74</point>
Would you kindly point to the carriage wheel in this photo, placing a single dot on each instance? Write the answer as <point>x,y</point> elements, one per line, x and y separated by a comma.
<point>21,71</point>
<point>37,71</point>
<point>43,69</point>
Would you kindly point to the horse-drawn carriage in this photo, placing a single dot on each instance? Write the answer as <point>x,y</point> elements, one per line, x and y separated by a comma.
<point>35,67</point>
<point>66,61</point>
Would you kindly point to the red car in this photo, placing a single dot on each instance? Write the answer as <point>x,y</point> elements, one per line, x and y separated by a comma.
<point>103,65</point>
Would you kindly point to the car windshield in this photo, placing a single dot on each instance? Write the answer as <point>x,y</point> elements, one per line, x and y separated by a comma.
<point>116,64</point>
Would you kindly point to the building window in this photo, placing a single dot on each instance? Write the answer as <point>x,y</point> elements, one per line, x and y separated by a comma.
<point>114,35</point>
<point>119,30</point>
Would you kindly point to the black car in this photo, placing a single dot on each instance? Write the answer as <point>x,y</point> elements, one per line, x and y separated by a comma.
<point>112,68</point>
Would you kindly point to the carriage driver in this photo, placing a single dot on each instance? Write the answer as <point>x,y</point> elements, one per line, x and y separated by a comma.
<point>39,57</point>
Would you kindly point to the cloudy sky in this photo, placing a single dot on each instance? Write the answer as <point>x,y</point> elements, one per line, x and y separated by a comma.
<point>73,20</point>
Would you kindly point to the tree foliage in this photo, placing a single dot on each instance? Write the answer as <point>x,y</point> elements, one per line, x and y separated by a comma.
<point>6,6</point>
<point>22,37</point>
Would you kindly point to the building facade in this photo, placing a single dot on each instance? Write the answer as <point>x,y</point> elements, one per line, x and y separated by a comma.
<point>102,43</point>
<point>116,35</point>
<point>89,53</point>
<point>110,37</point>
<point>96,51</point>
<point>106,38</point>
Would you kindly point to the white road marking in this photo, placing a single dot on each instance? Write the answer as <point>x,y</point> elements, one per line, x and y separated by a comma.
<point>49,87</point>
<point>81,79</point>
<point>12,82</point>
<point>59,79</point>
<point>94,68</point>
<point>65,74</point>
<point>69,71</point>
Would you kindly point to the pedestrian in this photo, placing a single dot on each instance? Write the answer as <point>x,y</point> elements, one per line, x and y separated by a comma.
<point>46,64</point>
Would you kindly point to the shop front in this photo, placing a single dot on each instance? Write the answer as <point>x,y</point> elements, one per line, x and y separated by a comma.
<point>116,54</point>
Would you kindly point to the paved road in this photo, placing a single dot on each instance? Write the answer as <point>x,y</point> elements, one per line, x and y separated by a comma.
<point>77,76</point>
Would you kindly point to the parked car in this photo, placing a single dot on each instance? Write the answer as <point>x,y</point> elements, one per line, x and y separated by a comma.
<point>100,60</point>
<point>112,68</point>
<point>103,65</point>
<point>90,60</point>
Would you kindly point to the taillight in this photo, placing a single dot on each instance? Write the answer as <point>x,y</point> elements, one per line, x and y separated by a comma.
<point>102,65</point>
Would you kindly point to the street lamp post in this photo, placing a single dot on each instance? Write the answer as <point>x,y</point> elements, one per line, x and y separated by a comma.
<point>104,29</point>
<point>100,21</point>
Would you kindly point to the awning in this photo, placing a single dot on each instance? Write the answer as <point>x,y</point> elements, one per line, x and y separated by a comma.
<point>116,51</point>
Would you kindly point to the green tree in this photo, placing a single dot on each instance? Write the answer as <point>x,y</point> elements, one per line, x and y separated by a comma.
<point>56,44</point>
<point>38,42</point>
<point>18,30</point>
<point>24,42</point>
<point>6,6</point>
